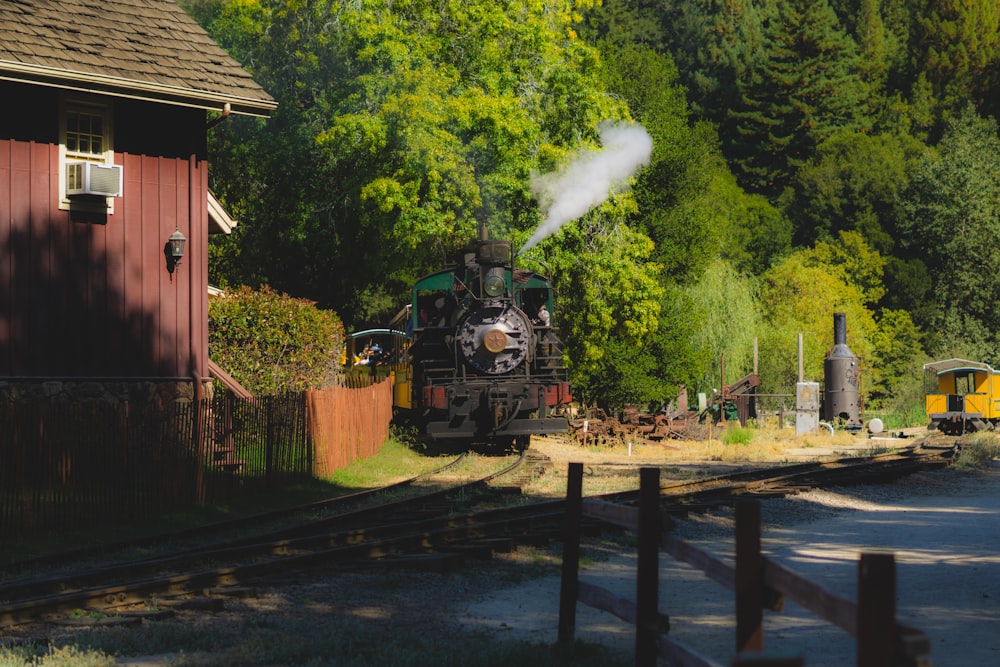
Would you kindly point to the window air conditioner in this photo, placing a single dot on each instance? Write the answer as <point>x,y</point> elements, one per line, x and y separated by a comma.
<point>93,178</point>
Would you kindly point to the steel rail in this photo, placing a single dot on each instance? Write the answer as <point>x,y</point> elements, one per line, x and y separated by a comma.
<point>204,531</point>
<point>258,546</point>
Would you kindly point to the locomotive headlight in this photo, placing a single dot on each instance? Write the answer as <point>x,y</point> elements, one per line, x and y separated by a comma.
<point>493,282</point>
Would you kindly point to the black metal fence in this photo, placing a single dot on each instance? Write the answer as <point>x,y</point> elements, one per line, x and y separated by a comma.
<point>68,463</point>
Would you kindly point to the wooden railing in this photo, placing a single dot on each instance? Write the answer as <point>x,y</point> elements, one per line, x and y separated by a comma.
<point>758,582</point>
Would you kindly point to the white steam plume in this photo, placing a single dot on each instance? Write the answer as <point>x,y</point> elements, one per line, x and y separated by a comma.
<point>586,182</point>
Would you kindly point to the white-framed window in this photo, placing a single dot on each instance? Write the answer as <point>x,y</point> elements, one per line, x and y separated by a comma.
<point>85,135</point>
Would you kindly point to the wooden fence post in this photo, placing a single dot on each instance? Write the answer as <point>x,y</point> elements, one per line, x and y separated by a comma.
<point>876,610</point>
<point>570,584</point>
<point>749,578</point>
<point>647,623</point>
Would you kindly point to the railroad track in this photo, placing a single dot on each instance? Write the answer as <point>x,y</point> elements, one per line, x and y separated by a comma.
<point>435,526</point>
<point>336,521</point>
<point>237,529</point>
<point>788,480</point>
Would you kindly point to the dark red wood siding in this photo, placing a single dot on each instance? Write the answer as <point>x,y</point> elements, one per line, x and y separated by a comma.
<point>91,296</point>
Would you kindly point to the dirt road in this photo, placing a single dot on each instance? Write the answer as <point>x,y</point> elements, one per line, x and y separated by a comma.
<point>943,527</point>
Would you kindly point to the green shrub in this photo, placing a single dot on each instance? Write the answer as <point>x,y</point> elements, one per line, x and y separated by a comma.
<point>737,435</point>
<point>273,343</point>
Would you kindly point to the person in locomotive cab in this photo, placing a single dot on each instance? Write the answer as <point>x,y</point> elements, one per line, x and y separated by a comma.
<point>543,318</point>
<point>439,318</point>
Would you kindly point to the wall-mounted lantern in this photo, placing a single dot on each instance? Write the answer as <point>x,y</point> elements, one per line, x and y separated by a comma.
<point>174,250</point>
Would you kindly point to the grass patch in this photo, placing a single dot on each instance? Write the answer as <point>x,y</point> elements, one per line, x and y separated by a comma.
<point>977,450</point>
<point>280,641</point>
<point>63,656</point>
<point>737,435</point>
<point>395,461</point>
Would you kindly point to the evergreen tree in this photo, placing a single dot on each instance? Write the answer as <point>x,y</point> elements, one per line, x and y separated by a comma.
<point>959,40</point>
<point>626,23</point>
<point>808,88</point>
<point>717,45</point>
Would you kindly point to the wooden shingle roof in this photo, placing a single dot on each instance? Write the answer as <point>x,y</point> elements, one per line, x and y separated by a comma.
<point>143,49</point>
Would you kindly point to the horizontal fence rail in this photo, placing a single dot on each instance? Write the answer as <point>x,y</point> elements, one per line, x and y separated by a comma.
<point>758,583</point>
<point>77,463</point>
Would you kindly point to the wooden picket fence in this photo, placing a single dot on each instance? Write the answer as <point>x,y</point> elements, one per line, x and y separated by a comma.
<point>80,463</point>
<point>348,424</point>
<point>758,582</point>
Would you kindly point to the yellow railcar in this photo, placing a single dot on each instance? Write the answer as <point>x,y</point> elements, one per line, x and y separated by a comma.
<point>374,354</point>
<point>961,396</point>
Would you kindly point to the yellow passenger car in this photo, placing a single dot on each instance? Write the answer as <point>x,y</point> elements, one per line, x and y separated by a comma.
<point>375,354</point>
<point>961,396</point>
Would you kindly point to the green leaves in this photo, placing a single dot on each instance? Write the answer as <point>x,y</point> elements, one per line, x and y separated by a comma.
<point>272,343</point>
<point>400,126</point>
<point>953,225</point>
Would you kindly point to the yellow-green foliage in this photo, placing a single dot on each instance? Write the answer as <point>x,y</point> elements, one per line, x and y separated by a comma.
<point>800,296</point>
<point>737,435</point>
<point>273,343</point>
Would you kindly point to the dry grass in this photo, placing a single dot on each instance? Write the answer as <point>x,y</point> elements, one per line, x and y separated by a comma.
<point>615,467</point>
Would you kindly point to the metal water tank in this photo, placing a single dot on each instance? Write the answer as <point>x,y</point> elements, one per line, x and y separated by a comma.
<point>841,372</point>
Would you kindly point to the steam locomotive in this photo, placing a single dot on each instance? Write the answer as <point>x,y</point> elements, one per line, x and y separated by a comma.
<point>485,363</point>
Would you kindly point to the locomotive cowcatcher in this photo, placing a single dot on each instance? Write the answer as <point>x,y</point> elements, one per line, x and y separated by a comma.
<point>485,361</point>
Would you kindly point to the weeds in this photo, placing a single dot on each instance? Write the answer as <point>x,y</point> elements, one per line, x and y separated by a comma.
<point>737,435</point>
<point>977,450</point>
<point>304,641</point>
<point>64,656</point>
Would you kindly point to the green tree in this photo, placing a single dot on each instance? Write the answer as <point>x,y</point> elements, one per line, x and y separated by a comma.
<point>800,296</point>
<point>953,224</point>
<point>668,192</point>
<point>895,341</point>
<point>959,40</point>
<point>624,23</point>
<point>399,128</point>
<point>853,182</point>
<point>609,301</point>
<point>854,261</point>
<point>726,306</point>
<point>717,45</point>
<point>898,348</point>
<point>808,88</point>
<point>753,233</point>
<point>689,205</point>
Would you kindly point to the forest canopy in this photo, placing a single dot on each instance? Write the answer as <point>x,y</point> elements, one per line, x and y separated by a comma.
<point>807,157</point>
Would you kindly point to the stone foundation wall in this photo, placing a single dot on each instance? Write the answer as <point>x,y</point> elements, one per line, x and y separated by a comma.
<point>110,391</point>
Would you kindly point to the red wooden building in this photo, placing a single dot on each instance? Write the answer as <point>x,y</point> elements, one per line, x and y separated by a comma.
<point>104,114</point>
